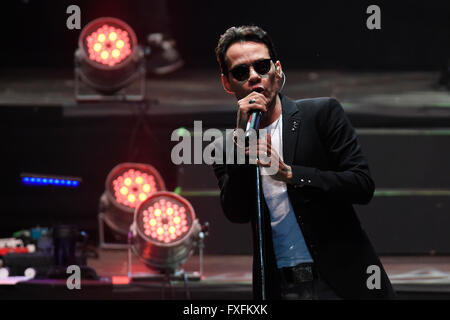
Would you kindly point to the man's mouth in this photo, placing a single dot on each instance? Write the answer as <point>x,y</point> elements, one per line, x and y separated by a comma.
<point>258,89</point>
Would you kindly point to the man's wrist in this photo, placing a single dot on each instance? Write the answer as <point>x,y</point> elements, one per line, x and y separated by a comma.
<point>288,174</point>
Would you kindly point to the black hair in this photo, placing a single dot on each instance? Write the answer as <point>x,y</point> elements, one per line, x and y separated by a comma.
<point>241,34</point>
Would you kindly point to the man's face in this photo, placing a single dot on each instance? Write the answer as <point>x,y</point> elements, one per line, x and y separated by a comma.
<point>247,53</point>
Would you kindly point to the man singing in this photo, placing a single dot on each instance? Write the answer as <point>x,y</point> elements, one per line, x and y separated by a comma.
<point>314,246</point>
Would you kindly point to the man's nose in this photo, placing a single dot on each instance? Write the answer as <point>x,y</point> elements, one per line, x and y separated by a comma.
<point>254,76</point>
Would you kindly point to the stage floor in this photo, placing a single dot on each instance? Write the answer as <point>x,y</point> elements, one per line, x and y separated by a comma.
<point>224,278</point>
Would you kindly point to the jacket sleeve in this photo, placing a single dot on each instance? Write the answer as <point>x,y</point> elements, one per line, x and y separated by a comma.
<point>236,183</point>
<point>349,178</point>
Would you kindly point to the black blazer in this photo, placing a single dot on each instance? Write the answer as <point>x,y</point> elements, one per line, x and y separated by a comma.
<point>330,174</point>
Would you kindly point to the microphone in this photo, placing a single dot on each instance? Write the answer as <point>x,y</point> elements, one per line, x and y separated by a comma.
<point>253,123</point>
<point>254,119</point>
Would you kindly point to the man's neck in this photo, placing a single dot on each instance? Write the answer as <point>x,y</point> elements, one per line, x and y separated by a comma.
<point>273,113</point>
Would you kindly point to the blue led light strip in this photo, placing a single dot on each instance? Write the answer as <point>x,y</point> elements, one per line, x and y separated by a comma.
<point>38,180</point>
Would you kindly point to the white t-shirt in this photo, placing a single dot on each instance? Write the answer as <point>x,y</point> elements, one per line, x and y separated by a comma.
<point>289,245</point>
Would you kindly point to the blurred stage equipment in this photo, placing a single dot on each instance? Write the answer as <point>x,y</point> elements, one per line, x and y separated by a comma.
<point>127,186</point>
<point>164,234</point>
<point>33,179</point>
<point>109,61</point>
<point>42,259</point>
<point>66,240</point>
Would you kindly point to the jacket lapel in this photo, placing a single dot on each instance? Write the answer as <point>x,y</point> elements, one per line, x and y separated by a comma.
<point>291,128</point>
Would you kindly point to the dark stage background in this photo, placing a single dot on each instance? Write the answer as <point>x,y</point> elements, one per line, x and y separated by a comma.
<point>308,34</point>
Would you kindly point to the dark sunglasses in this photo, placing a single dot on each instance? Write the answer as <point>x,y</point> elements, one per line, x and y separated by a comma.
<point>242,72</point>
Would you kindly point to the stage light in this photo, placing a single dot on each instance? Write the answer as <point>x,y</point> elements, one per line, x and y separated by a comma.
<point>126,187</point>
<point>33,179</point>
<point>107,60</point>
<point>165,231</point>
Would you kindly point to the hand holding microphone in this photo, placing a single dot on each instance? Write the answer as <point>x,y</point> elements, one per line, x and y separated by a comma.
<point>254,118</point>
<point>251,109</point>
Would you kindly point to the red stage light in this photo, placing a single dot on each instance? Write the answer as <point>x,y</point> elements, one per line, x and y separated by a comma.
<point>108,45</point>
<point>126,187</point>
<point>164,222</point>
<point>109,59</point>
<point>133,187</point>
<point>166,230</point>
<point>129,184</point>
<point>165,217</point>
<point>108,42</point>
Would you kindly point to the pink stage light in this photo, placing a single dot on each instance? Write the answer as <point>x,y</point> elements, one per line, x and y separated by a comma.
<point>126,187</point>
<point>108,45</point>
<point>165,230</point>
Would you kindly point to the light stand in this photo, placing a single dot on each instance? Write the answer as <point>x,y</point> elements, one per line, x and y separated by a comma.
<point>84,93</point>
<point>167,276</point>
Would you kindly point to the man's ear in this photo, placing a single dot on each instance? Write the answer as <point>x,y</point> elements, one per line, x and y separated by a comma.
<point>226,84</point>
<point>279,70</point>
